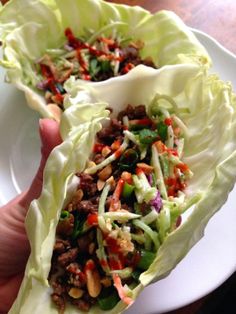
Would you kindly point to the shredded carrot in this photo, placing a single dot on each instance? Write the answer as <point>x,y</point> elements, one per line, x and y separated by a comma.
<point>147,169</point>
<point>161,147</point>
<point>121,290</point>
<point>115,202</point>
<point>127,177</point>
<point>116,145</point>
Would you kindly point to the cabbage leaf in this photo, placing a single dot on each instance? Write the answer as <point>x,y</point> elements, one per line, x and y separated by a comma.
<point>28,28</point>
<point>205,104</point>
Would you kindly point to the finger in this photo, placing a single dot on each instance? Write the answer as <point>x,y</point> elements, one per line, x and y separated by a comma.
<point>9,288</point>
<point>50,137</point>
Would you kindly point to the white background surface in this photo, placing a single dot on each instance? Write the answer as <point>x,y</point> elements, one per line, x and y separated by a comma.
<point>206,266</point>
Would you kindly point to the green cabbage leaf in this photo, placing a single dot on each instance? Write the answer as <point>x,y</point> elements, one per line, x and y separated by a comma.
<point>205,104</point>
<point>29,28</point>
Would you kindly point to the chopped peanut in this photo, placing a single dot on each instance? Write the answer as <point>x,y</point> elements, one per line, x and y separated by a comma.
<point>106,151</point>
<point>77,197</point>
<point>112,182</point>
<point>100,184</point>
<point>76,293</point>
<point>106,282</point>
<point>105,173</point>
<point>94,285</point>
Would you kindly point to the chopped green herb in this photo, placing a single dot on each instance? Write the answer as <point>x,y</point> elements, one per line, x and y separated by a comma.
<point>94,67</point>
<point>78,226</point>
<point>146,259</point>
<point>108,298</point>
<point>147,136</point>
<point>64,214</point>
<point>105,66</point>
<point>162,130</point>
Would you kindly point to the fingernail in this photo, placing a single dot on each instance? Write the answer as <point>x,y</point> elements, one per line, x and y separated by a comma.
<point>41,123</point>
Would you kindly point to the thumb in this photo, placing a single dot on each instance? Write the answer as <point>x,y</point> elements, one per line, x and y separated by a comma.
<point>50,137</point>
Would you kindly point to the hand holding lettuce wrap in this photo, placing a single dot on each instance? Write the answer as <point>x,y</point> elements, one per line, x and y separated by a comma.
<point>13,239</point>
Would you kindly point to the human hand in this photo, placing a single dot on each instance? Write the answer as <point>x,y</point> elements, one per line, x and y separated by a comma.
<point>14,245</point>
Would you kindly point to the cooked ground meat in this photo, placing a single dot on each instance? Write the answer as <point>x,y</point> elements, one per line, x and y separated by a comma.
<point>65,226</point>
<point>138,112</point>
<point>84,241</point>
<point>68,257</point>
<point>61,246</point>
<point>81,304</point>
<point>98,158</point>
<point>59,289</point>
<point>87,207</point>
<point>110,133</point>
<point>88,185</point>
<point>60,302</point>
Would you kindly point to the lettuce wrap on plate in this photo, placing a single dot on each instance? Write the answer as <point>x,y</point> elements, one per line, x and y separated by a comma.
<point>131,188</point>
<point>46,41</point>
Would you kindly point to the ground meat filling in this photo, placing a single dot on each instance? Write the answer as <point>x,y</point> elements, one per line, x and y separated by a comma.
<point>103,59</point>
<point>78,274</point>
<point>72,251</point>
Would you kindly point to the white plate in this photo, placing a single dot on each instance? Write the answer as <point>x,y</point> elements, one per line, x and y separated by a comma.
<point>208,264</point>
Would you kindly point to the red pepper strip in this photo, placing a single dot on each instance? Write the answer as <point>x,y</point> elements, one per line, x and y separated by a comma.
<point>171,191</point>
<point>115,263</point>
<point>90,265</point>
<point>161,147</point>
<point>103,263</point>
<point>129,66</point>
<point>172,151</point>
<point>171,181</point>
<point>72,40</point>
<point>51,82</point>
<point>116,145</point>
<point>138,171</point>
<point>114,206</point>
<point>118,152</point>
<point>121,290</point>
<point>168,121</point>
<point>59,98</point>
<point>183,167</point>
<point>86,77</point>
<point>92,219</point>
<point>53,87</point>
<point>127,177</point>
<point>98,147</point>
<point>112,245</point>
<point>46,72</point>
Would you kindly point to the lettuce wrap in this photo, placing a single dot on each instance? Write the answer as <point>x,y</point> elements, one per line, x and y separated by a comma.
<point>204,108</point>
<point>29,29</point>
